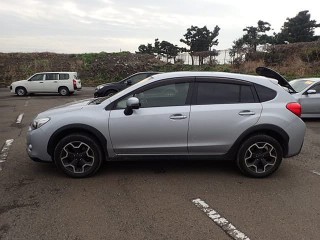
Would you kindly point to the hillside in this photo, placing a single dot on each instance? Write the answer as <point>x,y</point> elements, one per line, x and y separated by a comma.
<point>291,60</point>
<point>93,68</point>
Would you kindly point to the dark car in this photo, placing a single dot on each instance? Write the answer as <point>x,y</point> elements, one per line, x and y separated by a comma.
<point>109,89</point>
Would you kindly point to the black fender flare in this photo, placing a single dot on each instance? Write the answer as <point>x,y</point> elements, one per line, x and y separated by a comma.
<point>74,128</point>
<point>272,130</point>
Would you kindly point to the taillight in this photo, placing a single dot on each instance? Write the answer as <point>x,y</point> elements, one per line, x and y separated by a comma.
<point>295,108</point>
<point>74,84</point>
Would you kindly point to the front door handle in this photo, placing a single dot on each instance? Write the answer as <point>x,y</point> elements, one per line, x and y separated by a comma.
<point>246,113</point>
<point>40,82</point>
<point>178,116</point>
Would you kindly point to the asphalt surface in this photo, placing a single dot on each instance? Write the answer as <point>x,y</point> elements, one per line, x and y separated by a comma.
<point>150,200</point>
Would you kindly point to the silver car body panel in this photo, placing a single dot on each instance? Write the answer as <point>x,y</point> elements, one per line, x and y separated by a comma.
<point>214,128</point>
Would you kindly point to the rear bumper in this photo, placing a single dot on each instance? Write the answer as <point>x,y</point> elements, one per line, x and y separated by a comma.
<point>296,131</point>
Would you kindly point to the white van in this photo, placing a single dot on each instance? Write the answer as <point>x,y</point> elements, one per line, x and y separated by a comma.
<point>64,83</point>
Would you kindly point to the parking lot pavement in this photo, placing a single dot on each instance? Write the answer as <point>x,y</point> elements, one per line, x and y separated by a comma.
<point>150,200</point>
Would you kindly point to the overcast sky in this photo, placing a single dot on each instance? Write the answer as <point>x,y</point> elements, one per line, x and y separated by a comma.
<point>77,26</point>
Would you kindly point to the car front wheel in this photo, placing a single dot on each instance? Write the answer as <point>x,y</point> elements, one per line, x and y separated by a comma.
<point>78,155</point>
<point>259,156</point>
<point>21,91</point>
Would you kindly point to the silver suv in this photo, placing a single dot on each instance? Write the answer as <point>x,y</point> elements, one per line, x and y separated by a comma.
<point>249,119</point>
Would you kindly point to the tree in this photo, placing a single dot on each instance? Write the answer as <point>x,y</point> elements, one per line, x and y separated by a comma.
<point>246,46</point>
<point>146,49</point>
<point>169,50</point>
<point>200,40</point>
<point>298,29</point>
<point>256,35</point>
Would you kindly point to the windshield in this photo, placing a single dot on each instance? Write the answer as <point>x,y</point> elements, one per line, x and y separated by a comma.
<point>301,84</point>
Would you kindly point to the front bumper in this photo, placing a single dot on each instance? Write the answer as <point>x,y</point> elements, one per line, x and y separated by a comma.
<point>37,142</point>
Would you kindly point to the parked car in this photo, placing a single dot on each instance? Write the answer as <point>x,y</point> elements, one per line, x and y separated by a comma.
<point>249,119</point>
<point>109,89</point>
<point>64,83</point>
<point>308,95</point>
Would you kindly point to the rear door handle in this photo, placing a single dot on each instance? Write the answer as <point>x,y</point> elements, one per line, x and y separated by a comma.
<point>178,117</point>
<point>55,81</point>
<point>246,113</point>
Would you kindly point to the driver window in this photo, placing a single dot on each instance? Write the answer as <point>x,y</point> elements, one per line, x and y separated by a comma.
<point>161,96</point>
<point>38,77</point>
<point>316,87</point>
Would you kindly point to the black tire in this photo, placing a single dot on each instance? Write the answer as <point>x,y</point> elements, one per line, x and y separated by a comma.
<point>109,93</point>
<point>64,91</point>
<point>78,155</point>
<point>259,156</point>
<point>21,91</point>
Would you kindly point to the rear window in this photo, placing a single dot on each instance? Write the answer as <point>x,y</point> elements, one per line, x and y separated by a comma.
<point>63,76</point>
<point>223,93</point>
<point>265,94</point>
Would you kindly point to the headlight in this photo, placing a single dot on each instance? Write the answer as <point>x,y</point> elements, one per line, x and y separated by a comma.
<point>99,87</point>
<point>37,123</point>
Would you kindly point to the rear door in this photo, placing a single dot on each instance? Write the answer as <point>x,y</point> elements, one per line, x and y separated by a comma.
<point>221,110</point>
<point>51,82</point>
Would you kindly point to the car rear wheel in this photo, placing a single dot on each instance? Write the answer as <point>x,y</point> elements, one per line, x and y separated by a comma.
<point>64,91</point>
<point>78,155</point>
<point>21,91</point>
<point>259,156</point>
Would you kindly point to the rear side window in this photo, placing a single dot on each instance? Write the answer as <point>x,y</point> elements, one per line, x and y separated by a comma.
<point>223,93</point>
<point>63,76</point>
<point>52,76</point>
<point>264,93</point>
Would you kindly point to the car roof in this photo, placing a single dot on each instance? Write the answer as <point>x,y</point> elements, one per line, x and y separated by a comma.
<point>244,77</point>
<point>55,72</point>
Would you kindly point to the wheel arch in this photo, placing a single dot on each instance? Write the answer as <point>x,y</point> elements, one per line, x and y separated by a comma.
<point>77,128</point>
<point>267,129</point>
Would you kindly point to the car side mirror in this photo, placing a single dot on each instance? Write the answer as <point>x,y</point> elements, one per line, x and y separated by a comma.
<point>132,103</point>
<point>311,91</point>
<point>129,82</point>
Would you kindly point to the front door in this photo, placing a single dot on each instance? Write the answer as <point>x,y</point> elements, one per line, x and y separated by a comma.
<point>159,126</point>
<point>311,102</point>
<point>35,83</point>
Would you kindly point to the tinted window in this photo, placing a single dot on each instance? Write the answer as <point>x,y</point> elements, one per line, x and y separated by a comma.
<point>246,94</point>
<point>317,88</point>
<point>52,76</point>
<point>218,93</point>
<point>38,77</point>
<point>161,96</point>
<point>63,76</point>
<point>137,78</point>
<point>264,93</point>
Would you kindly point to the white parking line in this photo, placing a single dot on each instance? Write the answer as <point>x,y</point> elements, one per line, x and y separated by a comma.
<point>223,223</point>
<point>26,104</point>
<point>19,119</point>
<point>315,172</point>
<point>5,151</point>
